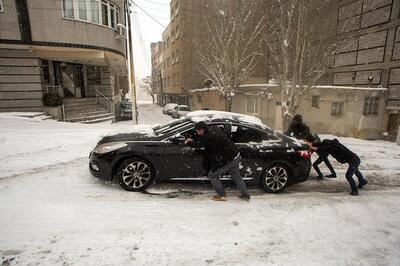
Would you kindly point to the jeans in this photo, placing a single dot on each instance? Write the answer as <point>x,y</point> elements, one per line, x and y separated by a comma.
<point>353,169</point>
<point>232,169</point>
<point>323,158</point>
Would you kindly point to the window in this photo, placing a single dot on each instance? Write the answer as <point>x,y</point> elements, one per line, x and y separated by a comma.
<point>315,101</point>
<point>112,15</point>
<point>242,134</point>
<point>371,105</point>
<point>94,11</point>
<point>101,12</point>
<point>337,108</point>
<point>104,13</point>
<point>68,8</point>
<point>45,71</point>
<point>82,10</point>
<point>252,105</point>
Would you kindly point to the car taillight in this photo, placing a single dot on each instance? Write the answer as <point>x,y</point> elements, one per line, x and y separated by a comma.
<point>304,154</point>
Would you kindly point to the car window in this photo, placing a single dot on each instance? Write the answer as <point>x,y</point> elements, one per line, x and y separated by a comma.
<point>243,134</point>
<point>170,127</point>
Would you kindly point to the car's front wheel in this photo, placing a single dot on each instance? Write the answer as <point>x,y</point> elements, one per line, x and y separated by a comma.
<point>275,178</point>
<point>135,174</point>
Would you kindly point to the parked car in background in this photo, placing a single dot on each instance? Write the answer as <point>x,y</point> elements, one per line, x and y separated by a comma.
<point>180,111</point>
<point>270,159</point>
<point>167,110</point>
<point>125,110</point>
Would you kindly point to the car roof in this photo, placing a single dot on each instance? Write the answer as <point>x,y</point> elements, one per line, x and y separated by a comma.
<point>219,116</point>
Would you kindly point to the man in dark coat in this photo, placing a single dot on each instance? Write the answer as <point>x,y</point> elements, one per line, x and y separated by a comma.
<point>343,155</point>
<point>322,157</point>
<point>297,128</point>
<point>222,157</point>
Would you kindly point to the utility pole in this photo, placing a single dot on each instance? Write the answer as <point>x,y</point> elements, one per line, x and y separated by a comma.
<point>131,67</point>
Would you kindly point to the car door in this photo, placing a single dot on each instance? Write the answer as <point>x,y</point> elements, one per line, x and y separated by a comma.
<point>250,144</point>
<point>181,161</point>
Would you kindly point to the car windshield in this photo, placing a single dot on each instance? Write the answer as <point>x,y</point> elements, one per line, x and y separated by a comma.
<point>171,126</point>
<point>184,108</point>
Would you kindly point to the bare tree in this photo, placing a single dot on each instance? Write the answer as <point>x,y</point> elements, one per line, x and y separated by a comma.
<point>301,45</point>
<point>149,88</point>
<point>229,54</point>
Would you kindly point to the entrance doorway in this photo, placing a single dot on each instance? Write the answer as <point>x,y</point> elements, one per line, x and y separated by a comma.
<point>71,78</point>
<point>393,126</point>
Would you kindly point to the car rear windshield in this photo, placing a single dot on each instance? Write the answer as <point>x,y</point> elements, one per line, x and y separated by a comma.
<point>184,108</point>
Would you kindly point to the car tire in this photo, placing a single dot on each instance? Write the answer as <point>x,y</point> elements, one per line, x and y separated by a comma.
<point>135,174</point>
<point>275,178</point>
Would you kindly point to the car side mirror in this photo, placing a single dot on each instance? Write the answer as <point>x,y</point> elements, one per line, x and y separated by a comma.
<point>177,139</point>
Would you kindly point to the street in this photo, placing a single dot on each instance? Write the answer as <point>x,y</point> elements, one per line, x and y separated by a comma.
<point>53,212</point>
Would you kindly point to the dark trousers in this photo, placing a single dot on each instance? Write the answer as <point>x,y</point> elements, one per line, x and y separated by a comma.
<point>323,157</point>
<point>353,169</point>
<point>232,169</point>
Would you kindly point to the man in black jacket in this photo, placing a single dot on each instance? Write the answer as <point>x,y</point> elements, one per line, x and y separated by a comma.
<point>297,128</point>
<point>222,157</point>
<point>322,157</point>
<point>343,155</point>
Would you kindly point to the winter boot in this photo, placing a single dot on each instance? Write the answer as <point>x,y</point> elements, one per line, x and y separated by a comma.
<point>320,177</point>
<point>331,175</point>
<point>362,183</point>
<point>354,192</point>
<point>219,198</point>
<point>244,197</point>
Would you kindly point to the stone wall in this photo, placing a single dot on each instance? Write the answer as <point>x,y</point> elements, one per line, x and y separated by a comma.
<point>20,81</point>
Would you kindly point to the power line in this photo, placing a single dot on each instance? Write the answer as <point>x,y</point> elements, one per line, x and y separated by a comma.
<point>149,15</point>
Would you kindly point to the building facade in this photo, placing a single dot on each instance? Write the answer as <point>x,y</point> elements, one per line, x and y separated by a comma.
<point>372,56</point>
<point>156,74</point>
<point>179,66</point>
<point>75,48</point>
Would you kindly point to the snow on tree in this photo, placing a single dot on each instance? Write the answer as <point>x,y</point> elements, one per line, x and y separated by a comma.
<point>149,88</point>
<point>301,45</point>
<point>233,44</point>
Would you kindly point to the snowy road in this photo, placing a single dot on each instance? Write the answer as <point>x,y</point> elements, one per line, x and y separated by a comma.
<point>52,212</point>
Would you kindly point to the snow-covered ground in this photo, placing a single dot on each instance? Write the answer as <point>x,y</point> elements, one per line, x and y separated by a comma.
<point>52,212</point>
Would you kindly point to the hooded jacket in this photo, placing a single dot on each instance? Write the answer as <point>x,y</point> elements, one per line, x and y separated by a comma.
<point>298,129</point>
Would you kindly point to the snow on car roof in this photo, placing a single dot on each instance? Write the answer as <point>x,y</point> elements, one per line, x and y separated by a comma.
<point>197,116</point>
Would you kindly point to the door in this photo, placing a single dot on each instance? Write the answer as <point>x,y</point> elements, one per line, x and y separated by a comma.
<point>393,126</point>
<point>250,144</point>
<point>181,161</point>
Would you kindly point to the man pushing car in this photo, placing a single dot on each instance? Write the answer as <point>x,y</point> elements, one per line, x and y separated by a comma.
<point>222,156</point>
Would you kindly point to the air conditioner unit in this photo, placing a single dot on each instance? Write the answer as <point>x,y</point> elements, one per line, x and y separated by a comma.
<point>121,31</point>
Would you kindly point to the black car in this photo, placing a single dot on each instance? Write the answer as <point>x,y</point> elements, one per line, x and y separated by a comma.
<point>268,158</point>
<point>125,110</point>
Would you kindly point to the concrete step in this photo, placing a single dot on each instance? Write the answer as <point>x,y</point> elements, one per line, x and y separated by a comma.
<point>98,120</point>
<point>86,113</point>
<point>94,118</point>
<point>75,100</point>
<point>83,107</point>
<point>75,104</point>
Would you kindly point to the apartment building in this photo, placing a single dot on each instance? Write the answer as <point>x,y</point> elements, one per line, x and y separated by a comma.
<point>179,67</point>
<point>156,74</point>
<point>372,56</point>
<point>72,48</point>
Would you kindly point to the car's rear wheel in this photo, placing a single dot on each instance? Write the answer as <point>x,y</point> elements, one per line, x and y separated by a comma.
<point>135,174</point>
<point>275,178</point>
